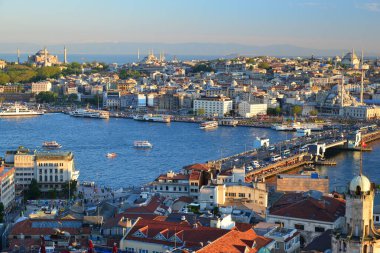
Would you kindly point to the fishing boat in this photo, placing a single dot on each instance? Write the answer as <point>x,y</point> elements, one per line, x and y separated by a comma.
<point>142,144</point>
<point>51,145</point>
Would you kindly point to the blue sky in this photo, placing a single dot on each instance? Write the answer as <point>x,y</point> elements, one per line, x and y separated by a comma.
<point>323,24</point>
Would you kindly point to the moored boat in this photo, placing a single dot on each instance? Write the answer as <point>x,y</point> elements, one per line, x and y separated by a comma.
<point>18,110</point>
<point>153,118</point>
<point>87,113</point>
<point>209,125</point>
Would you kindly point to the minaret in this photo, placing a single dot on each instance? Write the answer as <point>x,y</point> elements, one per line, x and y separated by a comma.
<point>341,92</point>
<point>362,81</point>
<point>18,56</point>
<point>138,54</point>
<point>45,58</point>
<point>64,55</point>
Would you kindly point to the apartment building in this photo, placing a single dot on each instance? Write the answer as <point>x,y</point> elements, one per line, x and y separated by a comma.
<point>52,170</point>
<point>41,87</point>
<point>212,106</point>
<point>7,186</point>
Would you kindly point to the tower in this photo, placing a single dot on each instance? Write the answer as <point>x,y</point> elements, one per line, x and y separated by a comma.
<point>45,57</point>
<point>18,56</point>
<point>362,80</point>
<point>64,55</point>
<point>138,54</point>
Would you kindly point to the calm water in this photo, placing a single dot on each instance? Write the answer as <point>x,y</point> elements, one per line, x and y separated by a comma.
<point>175,145</point>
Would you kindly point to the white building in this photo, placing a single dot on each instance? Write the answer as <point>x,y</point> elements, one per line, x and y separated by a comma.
<point>52,170</point>
<point>41,87</point>
<point>7,186</point>
<point>249,109</point>
<point>213,106</point>
<point>362,112</point>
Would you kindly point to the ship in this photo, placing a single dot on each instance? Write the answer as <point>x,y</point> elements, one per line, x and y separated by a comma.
<point>142,144</point>
<point>209,125</point>
<point>153,118</point>
<point>18,110</point>
<point>51,145</point>
<point>296,126</point>
<point>87,113</point>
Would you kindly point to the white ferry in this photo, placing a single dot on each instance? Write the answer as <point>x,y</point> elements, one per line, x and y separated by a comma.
<point>18,110</point>
<point>86,113</point>
<point>209,125</point>
<point>51,145</point>
<point>153,118</point>
<point>142,144</point>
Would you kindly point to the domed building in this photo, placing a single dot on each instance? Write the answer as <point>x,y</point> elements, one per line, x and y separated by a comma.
<point>43,58</point>
<point>351,60</point>
<point>358,233</point>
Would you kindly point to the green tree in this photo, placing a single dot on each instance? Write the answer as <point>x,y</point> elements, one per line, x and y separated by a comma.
<point>48,72</point>
<point>4,78</point>
<point>34,191</point>
<point>201,112</point>
<point>297,110</point>
<point>264,65</point>
<point>202,68</point>
<point>72,98</point>
<point>313,113</point>
<point>1,212</point>
<point>46,97</point>
<point>126,74</point>
<point>69,188</point>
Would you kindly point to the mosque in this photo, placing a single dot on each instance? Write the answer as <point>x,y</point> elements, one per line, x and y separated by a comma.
<point>45,59</point>
<point>351,60</point>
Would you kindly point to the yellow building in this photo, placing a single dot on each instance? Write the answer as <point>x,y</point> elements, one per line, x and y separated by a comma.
<point>43,58</point>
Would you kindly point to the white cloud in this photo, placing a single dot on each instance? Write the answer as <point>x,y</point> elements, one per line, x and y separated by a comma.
<point>372,6</point>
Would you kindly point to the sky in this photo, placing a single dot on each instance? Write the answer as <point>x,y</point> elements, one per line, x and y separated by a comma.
<point>321,24</point>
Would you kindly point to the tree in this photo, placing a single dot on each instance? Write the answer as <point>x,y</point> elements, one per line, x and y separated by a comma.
<point>4,78</point>
<point>297,110</point>
<point>48,72</point>
<point>126,74</point>
<point>313,113</point>
<point>202,68</point>
<point>201,112</point>
<point>1,212</point>
<point>264,65</point>
<point>72,98</point>
<point>46,97</point>
<point>69,188</point>
<point>34,191</point>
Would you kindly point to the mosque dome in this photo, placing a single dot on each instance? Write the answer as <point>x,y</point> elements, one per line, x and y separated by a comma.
<point>42,52</point>
<point>350,57</point>
<point>360,182</point>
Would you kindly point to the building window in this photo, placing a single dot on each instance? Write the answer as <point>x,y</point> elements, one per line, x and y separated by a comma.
<point>143,251</point>
<point>167,188</point>
<point>376,218</point>
<point>130,250</point>
<point>299,226</point>
<point>319,229</point>
<point>241,195</point>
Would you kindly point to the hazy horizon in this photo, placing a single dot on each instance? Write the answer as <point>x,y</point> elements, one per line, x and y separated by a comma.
<point>219,26</point>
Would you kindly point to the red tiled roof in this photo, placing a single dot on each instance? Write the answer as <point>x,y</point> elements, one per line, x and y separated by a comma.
<point>197,166</point>
<point>26,228</point>
<point>175,177</point>
<point>297,205</point>
<point>195,175</point>
<point>190,236</point>
<point>150,208</point>
<point>115,221</point>
<point>237,241</point>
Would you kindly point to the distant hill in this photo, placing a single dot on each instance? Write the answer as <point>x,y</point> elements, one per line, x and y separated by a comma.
<point>177,48</point>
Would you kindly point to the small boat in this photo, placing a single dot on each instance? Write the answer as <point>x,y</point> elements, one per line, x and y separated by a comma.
<point>111,155</point>
<point>209,125</point>
<point>142,144</point>
<point>51,145</point>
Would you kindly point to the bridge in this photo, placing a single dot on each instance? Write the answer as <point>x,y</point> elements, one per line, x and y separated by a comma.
<point>317,145</point>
